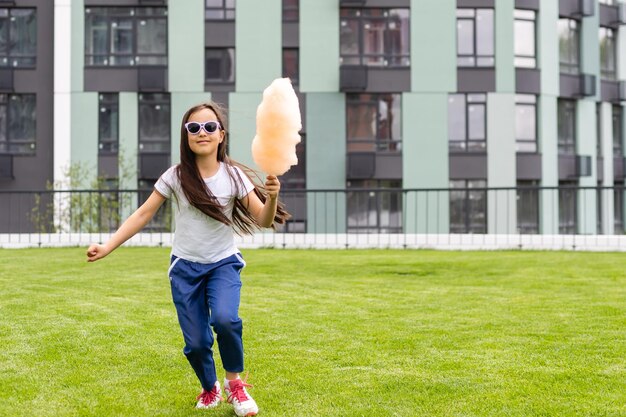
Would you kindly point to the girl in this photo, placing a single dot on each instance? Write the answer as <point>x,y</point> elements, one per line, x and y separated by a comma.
<point>214,198</point>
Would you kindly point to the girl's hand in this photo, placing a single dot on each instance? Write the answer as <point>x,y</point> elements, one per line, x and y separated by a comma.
<point>272,187</point>
<point>96,252</point>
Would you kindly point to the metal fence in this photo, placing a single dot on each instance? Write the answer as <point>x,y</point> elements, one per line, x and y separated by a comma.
<point>566,217</point>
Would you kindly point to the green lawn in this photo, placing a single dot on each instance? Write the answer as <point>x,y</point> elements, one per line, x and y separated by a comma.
<point>327,333</point>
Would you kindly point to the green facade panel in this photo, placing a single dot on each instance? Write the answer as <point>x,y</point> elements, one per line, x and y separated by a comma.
<point>547,136</point>
<point>501,163</point>
<point>504,44</point>
<point>425,161</point>
<point>433,64</point>
<point>242,126</point>
<point>258,47</point>
<point>185,21</point>
<point>586,145</point>
<point>326,162</point>
<point>78,45</point>
<point>84,134</point>
<point>590,48</point>
<point>548,47</point>
<point>319,45</point>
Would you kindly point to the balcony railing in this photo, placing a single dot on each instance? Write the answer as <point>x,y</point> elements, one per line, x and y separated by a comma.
<point>523,217</point>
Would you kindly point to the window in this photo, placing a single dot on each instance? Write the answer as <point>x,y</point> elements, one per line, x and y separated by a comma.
<point>599,130</point>
<point>567,207</point>
<point>569,46</point>
<point>618,148</point>
<point>468,206</point>
<point>220,10</point>
<point>525,44</point>
<point>125,36</point>
<point>219,65</point>
<point>527,207</point>
<point>17,124</point>
<point>108,123</point>
<point>608,54</point>
<point>526,123</point>
<point>373,122</point>
<point>608,2</point>
<point>372,211</point>
<point>374,37</point>
<point>291,64</point>
<point>154,123</point>
<point>475,38</point>
<point>18,38</point>
<point>467,122</point>
<point>618,208</point>
<point>566,127</point>
<point>291,10</point>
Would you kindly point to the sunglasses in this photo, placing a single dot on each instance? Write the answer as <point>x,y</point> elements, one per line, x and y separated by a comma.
<point>209,127</point>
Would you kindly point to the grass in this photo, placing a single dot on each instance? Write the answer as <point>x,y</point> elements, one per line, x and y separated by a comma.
<point>327,333</point>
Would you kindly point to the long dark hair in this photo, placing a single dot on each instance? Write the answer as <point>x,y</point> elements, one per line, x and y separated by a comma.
<point>201,197</point>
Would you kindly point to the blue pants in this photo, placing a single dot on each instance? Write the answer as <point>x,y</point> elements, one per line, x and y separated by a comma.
<point>207,296</point>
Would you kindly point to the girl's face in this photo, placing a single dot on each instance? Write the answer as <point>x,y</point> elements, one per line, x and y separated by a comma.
<point>204,142</point>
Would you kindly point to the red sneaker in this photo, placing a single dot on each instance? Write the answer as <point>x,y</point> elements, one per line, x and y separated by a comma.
<point>210,399</point>
<point>238,396</point>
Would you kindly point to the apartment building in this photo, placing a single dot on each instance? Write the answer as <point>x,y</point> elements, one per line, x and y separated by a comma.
<point>395,94</point>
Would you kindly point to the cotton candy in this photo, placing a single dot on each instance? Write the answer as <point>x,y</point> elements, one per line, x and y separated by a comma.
<point>278,122</point>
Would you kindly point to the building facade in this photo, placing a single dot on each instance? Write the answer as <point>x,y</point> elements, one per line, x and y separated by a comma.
<point>455,96</point>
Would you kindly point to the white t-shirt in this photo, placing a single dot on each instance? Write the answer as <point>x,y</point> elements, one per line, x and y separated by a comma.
<point>198,237</point>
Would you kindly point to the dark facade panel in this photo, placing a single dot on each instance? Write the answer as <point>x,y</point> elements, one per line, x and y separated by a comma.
<point>528,166</point>
<point>569,85</point>
<point>567,167</point>
<point>374,3</point>
<point>475,3</point>
<point>361,165</point>
<point>609,91</point>
<point>527,4</point>
<point>152,79</point>
<point>33,172</point>
<point>577,8</point>
<point>352,3</point>
<point>6,79</point>
<point>125,2</point>
<point>111,79</point>
<point>609,16</point>
<point>576,86</point>
<point>221,98</point>
<point>476,80</point>
<point>583,166</point>
<point>388,166</point>
<point>108,166</point>
<point>220,88</point>
<point>527,81</point>
<point>26,80</point>
<point>470,167</point>
<point>385,80</point>
<point>618,168</point>
<point>353,78</point>
<point>151,166</point>
<point>219,34</point>
<point>291,35</point>
<point>600,169</point>
<point>6,166</point>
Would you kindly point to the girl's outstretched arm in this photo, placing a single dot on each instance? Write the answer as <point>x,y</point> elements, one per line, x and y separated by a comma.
<point>128,229</point>
<point>264,213</point>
